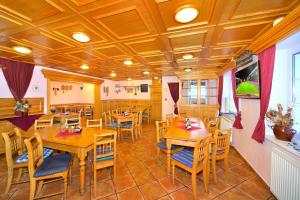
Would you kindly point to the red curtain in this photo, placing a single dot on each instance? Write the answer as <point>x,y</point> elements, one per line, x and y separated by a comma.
<point>266,61</point>
<point>174,90</point>
<point>237,122</point>
<point>18,76</point>
<point>220,92</point>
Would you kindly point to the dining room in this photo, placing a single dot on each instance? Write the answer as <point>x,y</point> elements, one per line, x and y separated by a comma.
<point>149,99</point>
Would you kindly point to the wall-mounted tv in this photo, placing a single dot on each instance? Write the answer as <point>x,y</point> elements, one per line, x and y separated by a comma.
<point>248,81</point>
<point>144,87</point>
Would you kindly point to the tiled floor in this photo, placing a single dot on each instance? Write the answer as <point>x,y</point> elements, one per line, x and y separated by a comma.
<point>141,174</point>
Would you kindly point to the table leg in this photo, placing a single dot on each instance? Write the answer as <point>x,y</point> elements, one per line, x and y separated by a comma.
<point>82,164</point>
<point>169,144</point>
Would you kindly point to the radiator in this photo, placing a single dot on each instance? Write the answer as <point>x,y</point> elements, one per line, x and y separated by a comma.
<point>285,176</point>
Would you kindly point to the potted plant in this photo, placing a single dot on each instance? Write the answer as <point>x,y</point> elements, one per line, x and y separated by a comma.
<point>19,108</point>
<point>282,123</point>
<point>26,107</point>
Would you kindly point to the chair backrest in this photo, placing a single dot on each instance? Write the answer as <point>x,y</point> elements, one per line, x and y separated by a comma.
<point>140,118</point>
<point>161,129</point>
<point>94,123</point>
<point>211,127</point>
<point>35,150</point>
<point>13,145</point>
<point>222,141</point>
<point>74,121</point>
<point>42,123</point>
<point>105,145</point>
<point>201,152</point>
<point>169,119</point>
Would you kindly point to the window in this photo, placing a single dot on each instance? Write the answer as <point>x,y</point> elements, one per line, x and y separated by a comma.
<point>228,105</point>
<point>208,92</point>
<point>189,91</point>
<point>296,90</point>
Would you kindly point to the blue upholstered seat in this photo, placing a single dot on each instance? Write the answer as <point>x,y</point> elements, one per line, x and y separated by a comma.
<point>219,152</point>
<point>163,145</point>
<point>103,151</point>
<point>126,124</point>
<point>53,164</point>
<point>72,121</point>
<point>24,157</point>
<point>112,125</point>
<point>185,156</point>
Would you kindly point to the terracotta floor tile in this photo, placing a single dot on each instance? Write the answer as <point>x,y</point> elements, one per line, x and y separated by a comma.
<point>243,170</point>
<point>143,177</point>
<point>169,186</point>
<point>152,190</point>
<point>182,194</point>
<point>104,189</point>
<point>111,197</point>
<point>130,194</point>
<point>123,183</point>
<point>167,197</point>
<point>229,178</point>
<point>234,194</point>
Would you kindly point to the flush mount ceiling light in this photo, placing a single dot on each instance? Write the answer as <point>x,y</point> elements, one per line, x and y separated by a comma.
<point>128,62</point>
<point>187,69</point>
<point>187,56</point>
<point>155,78</point>
<point>276,21</point>
<point>84,67</point>
<point>186,13</point>
<point>129,79</point>
<point>20,49</point>
<point>113,74</point>
<point>146,72</point>
<point>81,37</point>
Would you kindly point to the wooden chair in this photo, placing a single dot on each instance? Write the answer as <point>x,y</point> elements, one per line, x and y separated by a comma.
<point>169,119</point>
<point>13,148</point>
<point>42,123</point>
<point>211,127</point>
<point>193,161</point>
<point>161,129</point>
<point>220,150</point>
<point>104,154</point>
<point>88,113</point>
<point>108,123</point>
<point>74,121</point>
<point>147,115</point>
<point>129,126</point>
<point>94,123</point>
<point>40,169</point>
<point>139,124</point>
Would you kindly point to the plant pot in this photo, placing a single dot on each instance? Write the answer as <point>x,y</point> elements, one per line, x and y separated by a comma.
<point>18,113</point>
<point>283,132</point>
<point>25,113</point>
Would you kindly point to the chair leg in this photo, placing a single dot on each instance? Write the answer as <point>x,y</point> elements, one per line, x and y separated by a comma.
<point>205,179</point>
<point>65,186</point>
<point>95,181</point>
<point>32,189</point>
<point>10,176</point>
<point>39,187</point>
<point>213,168</point>
<point>115,170</point>
<point>20,171</point>
<point>194,184</point>
<point>226,164</point>
<point>157,151</point>
<point>173,174</point>
<point>132,136</point>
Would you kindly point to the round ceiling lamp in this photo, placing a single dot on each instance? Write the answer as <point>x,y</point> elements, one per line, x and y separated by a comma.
<point>186,13</point>
<point>113,74</point>
<point>276,21</point>
<point>146,72</point>
<point>187,56</point>
<point>128,62</point>
<point>81,37</point>
<point>21,49</point>
<point>84,67</point>
<point>155,78</point>
<point>187,69</point>
<point>129,79</point>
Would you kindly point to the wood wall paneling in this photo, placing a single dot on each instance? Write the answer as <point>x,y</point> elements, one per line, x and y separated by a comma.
<point>156,100</point>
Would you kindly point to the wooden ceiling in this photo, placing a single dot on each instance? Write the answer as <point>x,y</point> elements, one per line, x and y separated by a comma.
<point>142,30</point>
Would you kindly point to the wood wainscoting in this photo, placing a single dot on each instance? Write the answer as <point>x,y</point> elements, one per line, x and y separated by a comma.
<point>7,106</point>
<point>199,110</point>
<point>111,104</point>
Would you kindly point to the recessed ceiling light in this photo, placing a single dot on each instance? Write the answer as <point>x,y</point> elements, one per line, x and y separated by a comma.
<point>129,79</point>
<point>187,69</point>
<point>113,74</point>
<point>128,62</point>
<point>146,72</point>
<point>84,67</point>
<point>186,13</point>
<point>81,37</point>
<point>20,49</point>
<point>276,21</point>
<point>155,78</point>
<point>187,56</point>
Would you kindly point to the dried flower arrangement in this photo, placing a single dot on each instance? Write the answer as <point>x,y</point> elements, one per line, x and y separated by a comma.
<point>280,119</point>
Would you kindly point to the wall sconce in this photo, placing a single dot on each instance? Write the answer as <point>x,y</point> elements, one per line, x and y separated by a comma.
<point>82,87</point>
<point>55,90</point>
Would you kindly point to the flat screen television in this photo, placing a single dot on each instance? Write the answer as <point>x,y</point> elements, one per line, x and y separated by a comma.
<point>144,87</point>
<point>248,81</point>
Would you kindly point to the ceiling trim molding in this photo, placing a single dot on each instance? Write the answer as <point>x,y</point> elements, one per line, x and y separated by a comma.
<point>60,76</point>
<point>286,27</point>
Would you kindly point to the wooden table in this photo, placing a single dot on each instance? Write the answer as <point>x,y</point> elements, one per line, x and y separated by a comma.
<point>61,116</point>
<point>121,118</point>
<point>179,136</point>
<point>79,145</point>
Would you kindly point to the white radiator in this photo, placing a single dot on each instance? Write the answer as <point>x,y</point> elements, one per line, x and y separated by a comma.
<point>285,176</point>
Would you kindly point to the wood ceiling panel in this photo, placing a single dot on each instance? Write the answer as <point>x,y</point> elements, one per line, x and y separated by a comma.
<point>31,11</point>
<point>83,55</point>
<point>124,23</point>
<point>156,58</point>
<point>7,54</point>
<point>145,46</point>
<point>83,2</point>
<point>7,24</point>
<point>59,58</point>
<point>186,41</point>
<point>221,51</point>
<point>110,51</point>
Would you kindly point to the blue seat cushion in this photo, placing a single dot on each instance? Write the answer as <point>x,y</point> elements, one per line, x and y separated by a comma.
<point>53,164</point>
<point>126,125</point>
<point>103,151</point>
<point>112,125</point>
<point>24,157</point>
<point>73,121</point>
<point>163,145</point>
<point>185,157</point>
<point>219,152</point>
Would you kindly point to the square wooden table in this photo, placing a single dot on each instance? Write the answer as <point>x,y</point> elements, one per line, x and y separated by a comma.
<point>79,144</point>
<point>183,137</point>
<point>62,116</point>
